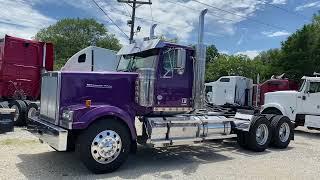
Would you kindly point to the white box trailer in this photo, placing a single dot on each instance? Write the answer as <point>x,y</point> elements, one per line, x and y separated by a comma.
<point>92,59</point>
<point>234,90</point>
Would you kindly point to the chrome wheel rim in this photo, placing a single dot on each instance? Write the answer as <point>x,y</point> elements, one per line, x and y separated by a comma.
<point>106,146</point>
<point>32,112</point>
<point>284,132</point>
<point>17,113</point>
<point>262,134</point>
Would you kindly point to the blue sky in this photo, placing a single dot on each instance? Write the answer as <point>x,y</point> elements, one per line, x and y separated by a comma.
<point>251,27</point>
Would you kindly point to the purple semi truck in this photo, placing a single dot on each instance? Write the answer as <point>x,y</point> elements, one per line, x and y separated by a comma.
<point>155,98</point>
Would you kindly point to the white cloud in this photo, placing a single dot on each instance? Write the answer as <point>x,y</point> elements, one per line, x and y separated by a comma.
<point>276,34</point>
<point>224,52</point>
<point>251,53</point>
<point>308,5</point>
<point>19,18</point>
<point>174,20</point>
<point>279,2</point>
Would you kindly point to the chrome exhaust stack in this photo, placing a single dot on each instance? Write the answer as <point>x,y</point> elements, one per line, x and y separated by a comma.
<point>200,65</point>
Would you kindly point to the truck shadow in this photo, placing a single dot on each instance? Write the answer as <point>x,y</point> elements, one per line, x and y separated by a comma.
<point>310,134</point>
<point>147,161</point>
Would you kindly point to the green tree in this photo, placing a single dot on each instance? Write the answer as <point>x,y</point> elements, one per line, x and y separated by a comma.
<point>71,35</point>
<point>212,54</point>
<point>301,51</point>
<point>271,61</point>
<point>235,65</point>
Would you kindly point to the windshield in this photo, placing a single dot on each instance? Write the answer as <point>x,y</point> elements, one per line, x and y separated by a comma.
<point>302,86</point>
<point>131,63</point>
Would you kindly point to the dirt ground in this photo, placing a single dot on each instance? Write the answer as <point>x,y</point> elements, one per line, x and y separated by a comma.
<point>23,157</point>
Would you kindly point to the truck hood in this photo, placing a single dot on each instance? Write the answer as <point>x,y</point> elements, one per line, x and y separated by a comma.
<point>281,97</point>
<point>281,93</point>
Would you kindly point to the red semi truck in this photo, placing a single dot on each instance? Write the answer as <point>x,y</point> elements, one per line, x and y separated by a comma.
<point>272,85</point>
<point>21,64</point>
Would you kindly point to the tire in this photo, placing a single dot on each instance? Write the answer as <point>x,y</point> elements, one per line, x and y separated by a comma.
<point>282,129</point>
<point>259,143</point>
<point>20,106</point>
<point>27,102</point>
<point>4,104</point>
<point>242,139</point>
<point>270,116</point>
<point>94,157</point>
<point>32,110</point>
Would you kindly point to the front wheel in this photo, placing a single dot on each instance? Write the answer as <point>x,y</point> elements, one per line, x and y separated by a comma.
<point>104,146</point>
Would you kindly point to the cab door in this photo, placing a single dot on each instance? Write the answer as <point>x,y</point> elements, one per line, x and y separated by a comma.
<point>311,99</point>
<point>174,84</point>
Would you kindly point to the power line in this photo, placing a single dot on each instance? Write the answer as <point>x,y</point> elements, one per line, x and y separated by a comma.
<point>173,26</point>
<point>242,16</point>
<point>110,18</point>
<point>151,20</point>
<point>126,9</point>
<point>286,10</point>
<point>135,5</point>
<point>188,7</point>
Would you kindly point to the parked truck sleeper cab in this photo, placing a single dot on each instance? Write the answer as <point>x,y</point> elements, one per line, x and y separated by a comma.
<point>153,99</point>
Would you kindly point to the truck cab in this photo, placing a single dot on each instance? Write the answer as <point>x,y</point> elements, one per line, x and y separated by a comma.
<point>302,107</point>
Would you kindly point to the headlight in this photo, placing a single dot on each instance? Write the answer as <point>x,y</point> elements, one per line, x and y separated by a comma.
<point>67,115</point>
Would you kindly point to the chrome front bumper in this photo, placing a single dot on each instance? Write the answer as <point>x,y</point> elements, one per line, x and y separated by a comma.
<point>51,134</point>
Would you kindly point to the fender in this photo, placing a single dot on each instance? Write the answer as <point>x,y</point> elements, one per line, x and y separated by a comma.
<point>106,110</point>
<point>273,105</point>
<point>277,106</point>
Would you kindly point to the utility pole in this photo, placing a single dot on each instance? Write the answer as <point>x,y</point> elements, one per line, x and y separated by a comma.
<point>134,4</point>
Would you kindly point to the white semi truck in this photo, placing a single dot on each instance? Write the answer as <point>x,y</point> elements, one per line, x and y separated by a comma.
<point>302,107</point>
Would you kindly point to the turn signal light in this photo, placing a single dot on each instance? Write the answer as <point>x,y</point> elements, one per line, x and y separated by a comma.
<point>88,103</point>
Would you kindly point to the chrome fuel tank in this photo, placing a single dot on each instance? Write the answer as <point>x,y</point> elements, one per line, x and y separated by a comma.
<point>192,128</point>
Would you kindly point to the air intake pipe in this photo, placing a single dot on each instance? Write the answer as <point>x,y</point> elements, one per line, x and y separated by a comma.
<point>152,36</point>
<point>200,65</point>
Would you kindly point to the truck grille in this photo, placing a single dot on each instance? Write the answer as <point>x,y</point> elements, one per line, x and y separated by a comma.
<point>50,96</point>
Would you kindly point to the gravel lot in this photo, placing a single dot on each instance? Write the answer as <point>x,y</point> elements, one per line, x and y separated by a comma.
<point>23,157</point>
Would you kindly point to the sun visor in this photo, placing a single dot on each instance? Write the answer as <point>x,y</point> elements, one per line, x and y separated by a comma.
<point>140,46</point>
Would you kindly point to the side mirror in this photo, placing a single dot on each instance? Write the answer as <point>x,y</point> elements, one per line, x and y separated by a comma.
<point>181,60</point>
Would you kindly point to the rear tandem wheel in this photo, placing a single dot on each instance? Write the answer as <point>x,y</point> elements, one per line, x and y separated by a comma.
<point>258,137</point>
